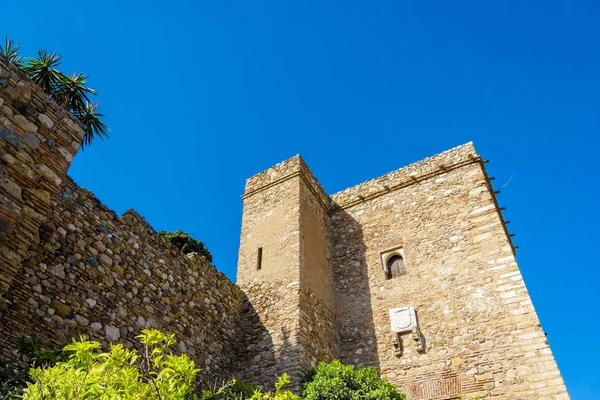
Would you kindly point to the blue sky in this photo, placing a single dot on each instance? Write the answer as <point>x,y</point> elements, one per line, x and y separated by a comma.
<point>200,95</point>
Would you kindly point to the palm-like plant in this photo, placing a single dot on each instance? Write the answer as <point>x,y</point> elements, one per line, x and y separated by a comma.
<point>72,92</point>
<point>89,116</point>
<point>43,72</point>
<point>11,52</point>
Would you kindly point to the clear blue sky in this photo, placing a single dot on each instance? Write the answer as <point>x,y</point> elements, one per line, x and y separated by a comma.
<point>200,95</point>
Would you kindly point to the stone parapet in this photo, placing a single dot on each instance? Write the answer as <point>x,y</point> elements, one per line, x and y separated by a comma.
<point>288,169</point>
<point>406,176</point>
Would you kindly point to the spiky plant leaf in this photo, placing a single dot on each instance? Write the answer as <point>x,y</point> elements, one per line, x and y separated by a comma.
<point>11,52</point>
<point>90,117</point>
<point>42,71</point>
<point>71,91</point>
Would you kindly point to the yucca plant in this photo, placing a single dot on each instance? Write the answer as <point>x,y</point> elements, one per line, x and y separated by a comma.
<point>72,92</point>
<point>42,71</point>
<point>11,52</point>
<point>89,116</point>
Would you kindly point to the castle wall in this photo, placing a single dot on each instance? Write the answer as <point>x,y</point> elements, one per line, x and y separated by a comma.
<point>481,331</point>
<point>71,266</point>
<point>37,143</point>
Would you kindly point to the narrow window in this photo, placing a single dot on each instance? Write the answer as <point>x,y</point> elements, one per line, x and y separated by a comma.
<point>259,259</point>
<point>395,267</point>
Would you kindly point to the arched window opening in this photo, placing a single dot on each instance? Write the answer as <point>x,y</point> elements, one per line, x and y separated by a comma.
<point>395,267</point>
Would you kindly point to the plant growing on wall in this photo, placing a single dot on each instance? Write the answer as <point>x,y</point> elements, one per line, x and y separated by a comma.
<point>70,92</point>
<point>343,382</point>
<point>186,244</point>
<point>11,52</point>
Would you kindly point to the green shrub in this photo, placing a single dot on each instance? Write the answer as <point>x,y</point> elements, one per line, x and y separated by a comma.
<point>186,244</point>
<point>232,390</point>
<point>15,375</point>
<point>125,374</point>
<point>279,394</point>
<point>343,382</point>
<point>119,374</point>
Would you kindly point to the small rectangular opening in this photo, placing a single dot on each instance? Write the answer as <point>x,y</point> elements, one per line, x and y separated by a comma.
<point>259,259</point>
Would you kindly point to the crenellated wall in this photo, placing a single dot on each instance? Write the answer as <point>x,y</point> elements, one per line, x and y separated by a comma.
<point>72,266</point>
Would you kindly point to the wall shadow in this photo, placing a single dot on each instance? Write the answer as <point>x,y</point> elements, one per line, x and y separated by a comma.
<point>258,364</point>
<point>357,342</point>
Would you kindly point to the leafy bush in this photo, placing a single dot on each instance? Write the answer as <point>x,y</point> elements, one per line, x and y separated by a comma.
<point>343,382</point>
<point>13,379</point>
<point>81,371</point>
<point>119,374</point>
<point>232,390</point>
<point>279,394</point>
<point>124,374</point>
<point>186,244</point>
<point>15,375</point>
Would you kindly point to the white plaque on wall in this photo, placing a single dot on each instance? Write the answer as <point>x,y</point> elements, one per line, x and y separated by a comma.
<point>403,319</point>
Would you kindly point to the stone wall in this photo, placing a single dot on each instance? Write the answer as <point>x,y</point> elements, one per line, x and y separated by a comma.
<point>71,266</point>
<point>37,143</point>
<point>482,335</point>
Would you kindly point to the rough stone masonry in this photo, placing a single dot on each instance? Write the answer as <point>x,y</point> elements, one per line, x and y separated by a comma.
<point>428,240</point>
<point>413,272</point>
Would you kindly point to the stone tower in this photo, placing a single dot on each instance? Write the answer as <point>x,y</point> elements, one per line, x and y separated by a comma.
<point>413,272</point>
<point>285,270</point>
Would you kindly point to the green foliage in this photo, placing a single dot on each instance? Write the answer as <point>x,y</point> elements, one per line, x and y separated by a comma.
<point>13,378</point>
<point>279,394</point>
<point>82,371</point>
<point>42,71</point>
<point>11,52</point>
<point>232,390</point>
<point>70,92</point>
<point>121,373</point>
<point>343,382</point>
<point>186,244</point>
<point>15,375</point>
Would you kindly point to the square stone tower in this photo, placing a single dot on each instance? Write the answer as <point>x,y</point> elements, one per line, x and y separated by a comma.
<point>413,272</point>
<point>285,270</point>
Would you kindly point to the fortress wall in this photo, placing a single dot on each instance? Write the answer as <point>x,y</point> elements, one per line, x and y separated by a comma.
<point>481,331</point>
<point>37,143</point>
<point>70,265</point>
<point>110,277</point>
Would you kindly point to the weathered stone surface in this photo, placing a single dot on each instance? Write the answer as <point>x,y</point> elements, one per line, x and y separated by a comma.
<point>477,323</point>
<point>31,140</point>
<point>46,120</point>
<point>112,332</point>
